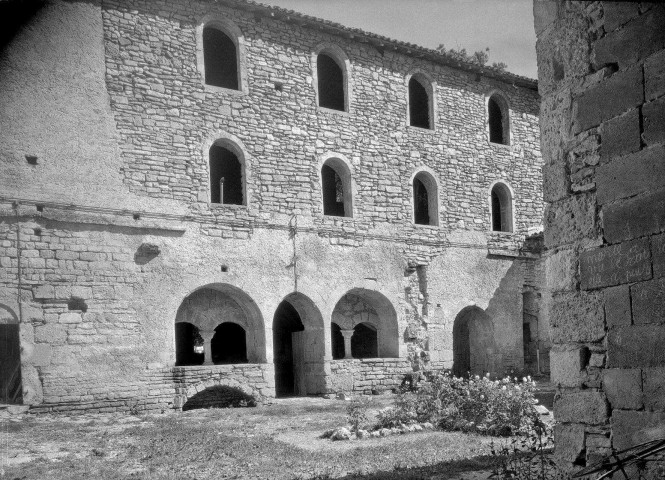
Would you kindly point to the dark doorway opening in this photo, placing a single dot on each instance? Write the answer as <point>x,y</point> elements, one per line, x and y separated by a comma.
<point>229,344</point>
<point>286,322</point>
<point>418,105</point>
<point>333,192</point>
<point>497,122</point>
<point>331,82</point>
<point>11,390</point>
<point>364,342</point>
<point>461,348</point>
<point>225,177</point>
<point>337,341</point>
<point>220,59</point>
<point>187,342</point>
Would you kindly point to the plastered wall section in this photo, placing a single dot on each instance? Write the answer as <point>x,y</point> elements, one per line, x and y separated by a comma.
<point>603,86</point>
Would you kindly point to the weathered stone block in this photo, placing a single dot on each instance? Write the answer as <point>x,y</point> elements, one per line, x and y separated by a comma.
<point>653,114</point>
<point>616,264</point>
<point>51,333</point>
<point>630,428</point>
<point>618,94</point>
<point>634,217</point>
<point>616,14</point>
<point>654,389</point>
<point>42,292</point>
<point>623,387</point>
<point>620,136</point>
<point>566,364</point>
<point>570,442</point>
<point>70,318</point>
<point>638,39</point>
<point>577,317</point>
<point>41,355</point>
<point>556,182</point>
<point>636,346</point>
<point>561,271</point>
<point>658,253</point>
<point>570,220</point>
<point>617,306</point>
<point>630,175</point>
<point>648,301</point>
<point>588,407</point>
<point>654,75</point>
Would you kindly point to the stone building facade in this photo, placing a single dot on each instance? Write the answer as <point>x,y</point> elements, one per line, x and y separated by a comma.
<point>201,193</point>
<point>602,80</point>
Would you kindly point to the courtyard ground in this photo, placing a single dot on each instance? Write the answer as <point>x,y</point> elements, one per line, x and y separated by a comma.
<point>277,441</point>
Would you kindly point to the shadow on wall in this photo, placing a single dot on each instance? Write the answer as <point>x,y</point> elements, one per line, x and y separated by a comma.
<point>14,16</point>
<point>220,397</point>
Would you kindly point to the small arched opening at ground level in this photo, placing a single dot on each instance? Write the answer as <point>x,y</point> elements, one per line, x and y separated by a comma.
<point>11,388</point>
<point>220,58</point>
<point>223,316</point>
<point>473,342</point>
<point>229,344</point>
<point>501,204</point>
<point>219,396</point>
<point>368,317</point>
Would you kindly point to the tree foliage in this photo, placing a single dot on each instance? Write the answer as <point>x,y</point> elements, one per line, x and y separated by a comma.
<point>480,58</point>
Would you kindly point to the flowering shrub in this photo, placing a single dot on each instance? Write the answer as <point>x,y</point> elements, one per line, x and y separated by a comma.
<point>494,407</point>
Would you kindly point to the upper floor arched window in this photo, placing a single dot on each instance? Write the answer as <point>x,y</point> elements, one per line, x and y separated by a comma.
<point>331,81</point>
<point>499,120</point>
<point>227,185</point>
<point>420,102</point>
<point>425,199</point>
<point>220,58</point>
<point>501,204</point>
<point>336,188</point>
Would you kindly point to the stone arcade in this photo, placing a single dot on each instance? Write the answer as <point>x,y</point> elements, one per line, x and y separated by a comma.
<point>219,193</point>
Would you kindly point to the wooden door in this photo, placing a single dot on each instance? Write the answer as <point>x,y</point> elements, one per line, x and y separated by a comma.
<point>298,345</point>
<point>10,364</point>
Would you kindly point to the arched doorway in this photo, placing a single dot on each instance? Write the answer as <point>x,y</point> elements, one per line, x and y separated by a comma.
<point>11,389</point>
<point>299,347</point>
<point>473,342</point>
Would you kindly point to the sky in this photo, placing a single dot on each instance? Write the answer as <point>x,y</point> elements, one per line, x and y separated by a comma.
<point>505,26</point>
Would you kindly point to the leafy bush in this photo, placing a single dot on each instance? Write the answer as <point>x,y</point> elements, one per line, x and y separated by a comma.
<point>494,407</point>
<point>356,412</point>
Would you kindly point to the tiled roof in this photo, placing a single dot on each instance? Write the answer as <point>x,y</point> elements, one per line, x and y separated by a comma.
<point>379,41</point>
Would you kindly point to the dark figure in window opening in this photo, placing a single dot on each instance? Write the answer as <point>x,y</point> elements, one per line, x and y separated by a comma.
<point>330,82</point>
<point>225,177</point>
<point>333,192</point>
<point>420,203</point>
<point>220,59</point>
<point>497,122</point>
<point>418,105</point>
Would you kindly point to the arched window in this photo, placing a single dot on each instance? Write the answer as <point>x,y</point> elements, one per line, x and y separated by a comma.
<point>226,177</point>
<point>425,200</point>
<point>337,341</point>
<point>501,201</point>
<point>499,120</point>
<point>420,105</point>
<point>330,82</point>
<point>364,342</point>
<point>229,344</point>
<point>336,188</point>
<point>220,58</point>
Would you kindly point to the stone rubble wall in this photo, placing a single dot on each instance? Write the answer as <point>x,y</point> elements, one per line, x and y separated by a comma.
<point>365,375</point>
<point>602,81</point>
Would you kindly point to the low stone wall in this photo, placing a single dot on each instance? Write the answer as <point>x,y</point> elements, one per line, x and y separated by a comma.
<point>167,388</point>
<point>364,375</point>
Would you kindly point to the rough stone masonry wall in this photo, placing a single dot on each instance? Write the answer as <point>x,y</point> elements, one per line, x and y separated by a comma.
<point>118,119</point>
<point>602,81</point>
